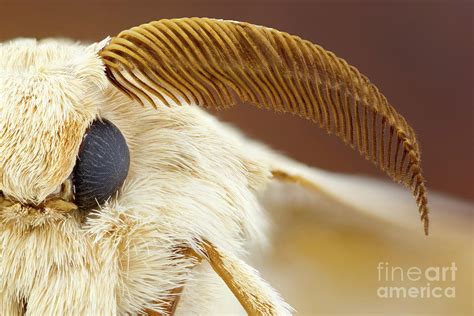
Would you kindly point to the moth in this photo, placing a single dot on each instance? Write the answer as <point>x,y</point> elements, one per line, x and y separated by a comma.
<point>120,194</point>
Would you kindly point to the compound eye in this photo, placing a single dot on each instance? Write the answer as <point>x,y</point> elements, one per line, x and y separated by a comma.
<point>102,165</point>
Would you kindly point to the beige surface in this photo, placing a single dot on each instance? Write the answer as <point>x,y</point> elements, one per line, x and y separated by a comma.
<point>325,255</point>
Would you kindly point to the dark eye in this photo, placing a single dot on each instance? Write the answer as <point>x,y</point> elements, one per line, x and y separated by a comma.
<point>101,166</point>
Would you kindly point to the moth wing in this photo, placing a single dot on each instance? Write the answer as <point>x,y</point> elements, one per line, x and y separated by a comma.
<point>331,231</point>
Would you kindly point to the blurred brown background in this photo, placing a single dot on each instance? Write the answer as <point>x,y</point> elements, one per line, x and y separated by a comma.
<point>419,53</point>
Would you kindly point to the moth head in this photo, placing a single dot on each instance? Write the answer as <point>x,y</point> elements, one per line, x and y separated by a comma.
<point>48,102</point>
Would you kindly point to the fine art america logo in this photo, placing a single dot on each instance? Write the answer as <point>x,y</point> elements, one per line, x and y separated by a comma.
<point>416,282</point>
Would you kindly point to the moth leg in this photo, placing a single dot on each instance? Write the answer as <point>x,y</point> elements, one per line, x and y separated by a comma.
<point>175,294</point>
<point>253,293</point>
<point>305,183</point>
<point>173,304</point>
<point>297,179</point>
